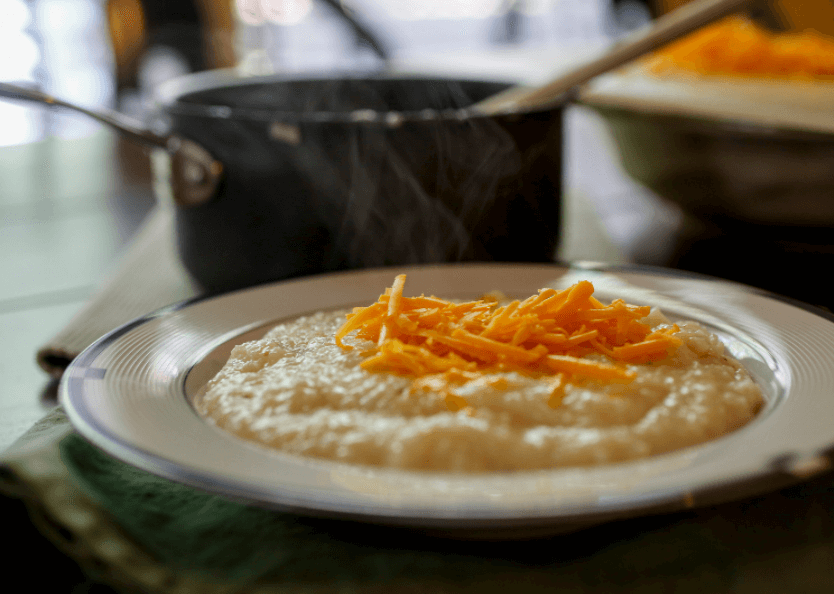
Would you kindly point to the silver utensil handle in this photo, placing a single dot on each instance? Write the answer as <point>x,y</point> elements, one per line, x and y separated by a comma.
<point>667,28</point>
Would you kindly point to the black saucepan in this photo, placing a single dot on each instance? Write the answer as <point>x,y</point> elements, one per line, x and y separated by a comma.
<point>274,178</point>
<point>331,174</point>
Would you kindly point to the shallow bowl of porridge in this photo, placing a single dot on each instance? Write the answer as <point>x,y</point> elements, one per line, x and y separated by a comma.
<point>479,399</point>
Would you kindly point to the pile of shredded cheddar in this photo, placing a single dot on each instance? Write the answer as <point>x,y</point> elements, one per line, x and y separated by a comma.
<point>442,344</point>
<point>736,45</point>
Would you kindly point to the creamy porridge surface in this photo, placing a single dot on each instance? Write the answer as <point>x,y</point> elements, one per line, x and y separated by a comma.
<point>297,391</point>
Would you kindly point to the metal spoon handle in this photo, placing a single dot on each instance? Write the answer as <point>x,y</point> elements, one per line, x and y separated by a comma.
<point>114,119</point>
<point>667,28</point>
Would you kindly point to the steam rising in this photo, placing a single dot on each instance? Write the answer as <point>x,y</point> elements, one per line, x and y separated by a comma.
<point>333,174</point>
<point>419,174</point>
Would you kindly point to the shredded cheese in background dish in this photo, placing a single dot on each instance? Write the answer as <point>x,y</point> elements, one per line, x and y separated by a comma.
<point>423,383</point>
<point>738,46</point>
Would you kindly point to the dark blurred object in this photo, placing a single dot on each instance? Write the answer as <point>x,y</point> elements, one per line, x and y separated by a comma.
<point>128,34</point>
<point>509,25</point>
<point>790,260</point>
<point>758,200</point>
<point>177,24</point>
<point>364,35</point>
<point>626,16</point>
<point>31,547</point>
<point>714,168</point>
<point>335,174</point>
<point>199,31</point>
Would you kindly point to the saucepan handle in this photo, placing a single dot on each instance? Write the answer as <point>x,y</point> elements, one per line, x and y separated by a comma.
<point>194,172</point>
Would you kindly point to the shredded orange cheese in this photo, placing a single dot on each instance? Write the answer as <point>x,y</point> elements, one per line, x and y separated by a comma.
<point>443,344</point>
<point>736,45</point>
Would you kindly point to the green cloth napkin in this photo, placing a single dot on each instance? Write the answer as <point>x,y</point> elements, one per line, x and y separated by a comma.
<point>141,533</point>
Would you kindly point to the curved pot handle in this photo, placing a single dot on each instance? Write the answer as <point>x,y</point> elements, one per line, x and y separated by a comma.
<point>194,172</point>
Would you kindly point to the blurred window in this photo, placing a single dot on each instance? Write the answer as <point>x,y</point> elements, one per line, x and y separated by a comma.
<point>62,47</point>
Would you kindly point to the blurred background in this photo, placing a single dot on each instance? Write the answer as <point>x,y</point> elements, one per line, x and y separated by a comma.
<point>114,53</point>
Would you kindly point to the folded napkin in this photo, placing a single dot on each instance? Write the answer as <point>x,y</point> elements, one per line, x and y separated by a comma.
<point>148,277</point>
<point>140,533</point>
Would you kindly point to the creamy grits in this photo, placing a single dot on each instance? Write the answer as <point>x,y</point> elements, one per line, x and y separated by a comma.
<point>297,391</point>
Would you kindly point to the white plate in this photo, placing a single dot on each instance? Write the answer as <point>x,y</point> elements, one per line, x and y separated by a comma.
<point>130,394</point>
